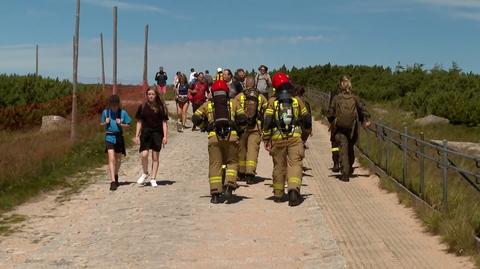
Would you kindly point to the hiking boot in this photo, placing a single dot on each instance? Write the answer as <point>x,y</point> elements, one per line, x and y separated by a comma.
<point>228,192</point>
<point>336,168</point>
<point>294,198</point>
<point>113,186</point>
<point>216,198</point>
<point>241,177</point>
<point>345,178</point>
<point>250,179</point>
<point>278,199</point>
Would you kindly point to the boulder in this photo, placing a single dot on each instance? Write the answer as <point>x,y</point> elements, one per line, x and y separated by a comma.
<point>54,123</point>
<point>430,120</point>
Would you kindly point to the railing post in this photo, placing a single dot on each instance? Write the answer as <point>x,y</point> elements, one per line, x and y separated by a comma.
<point>445,175</point>
<point>387,150</point>
<point>405,155</point>
<point>367,144</point>
<point>379,145</point>
<point>422,165</point>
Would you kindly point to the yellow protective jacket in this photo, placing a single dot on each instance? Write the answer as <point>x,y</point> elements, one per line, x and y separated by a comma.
<point>204,119</point>
<point>302,121</point>
<point>262,107</point>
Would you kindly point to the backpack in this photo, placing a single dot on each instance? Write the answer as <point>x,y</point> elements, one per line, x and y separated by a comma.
<point>346,111</point>
<point>250,105</point>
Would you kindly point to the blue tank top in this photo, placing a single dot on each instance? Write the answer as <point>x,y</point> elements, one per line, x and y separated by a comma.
<point>183,89</point>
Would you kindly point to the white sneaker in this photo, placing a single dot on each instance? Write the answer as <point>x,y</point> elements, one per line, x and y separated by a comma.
<point>141,179</point>
<point>153,182</point>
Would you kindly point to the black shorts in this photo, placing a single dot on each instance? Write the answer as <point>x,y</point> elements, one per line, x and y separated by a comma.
<point>118,147</point>
<point>150,139</point>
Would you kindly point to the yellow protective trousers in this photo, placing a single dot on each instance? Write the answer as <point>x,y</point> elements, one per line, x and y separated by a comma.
<point>222,153</point>
<point>248,152</point>
<point>287,157</point>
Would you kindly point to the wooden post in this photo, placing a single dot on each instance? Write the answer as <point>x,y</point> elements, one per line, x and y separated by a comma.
<point>103,61</point>
<point>73,130</point>
<point>115,27</point>
<point>36,60</point>
<point>145,59</point>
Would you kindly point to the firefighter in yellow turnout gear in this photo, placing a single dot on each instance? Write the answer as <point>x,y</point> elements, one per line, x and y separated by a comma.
<point>254,104</point>
<point>223,119</point>
<point>286,122</point>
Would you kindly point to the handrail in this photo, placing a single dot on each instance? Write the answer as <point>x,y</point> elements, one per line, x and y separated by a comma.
<point>403,140</point>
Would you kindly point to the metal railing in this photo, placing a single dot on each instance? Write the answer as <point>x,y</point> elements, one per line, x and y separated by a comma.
<point>377,147</point>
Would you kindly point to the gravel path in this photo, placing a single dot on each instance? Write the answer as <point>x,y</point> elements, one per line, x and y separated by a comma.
<point>175,226</point>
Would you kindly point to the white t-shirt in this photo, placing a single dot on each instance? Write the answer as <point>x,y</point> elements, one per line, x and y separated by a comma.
<point>192,77</point>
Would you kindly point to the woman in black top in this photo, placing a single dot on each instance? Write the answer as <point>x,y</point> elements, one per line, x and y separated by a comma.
<point>151,133</point>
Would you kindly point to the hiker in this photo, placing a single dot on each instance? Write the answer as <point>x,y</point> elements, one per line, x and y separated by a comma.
<point>286,121</point>
<point>192,75</point>
<point>208,79</point>
<point>263,81</point>
<point>151,133</point>
<point>239,80</point>
<point>345,113</point>
<point>114,119</point>
<point>228,78</point>
<point>161,78</point>
<point>342,85</point>
<point>219,75</point>
<point>223,119</point>
<point>254,104</point>
<point>181,98</point>
<point>197,94</point>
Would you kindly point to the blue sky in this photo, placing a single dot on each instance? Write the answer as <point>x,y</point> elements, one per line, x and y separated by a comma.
<point>247,33</point>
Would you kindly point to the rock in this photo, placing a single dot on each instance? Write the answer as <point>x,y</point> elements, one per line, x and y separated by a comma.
<point>54,123</point>
<point>464,147</point>
<point>431,119</point>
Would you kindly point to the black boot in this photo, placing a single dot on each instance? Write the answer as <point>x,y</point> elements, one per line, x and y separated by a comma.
<point>113,186</point>
<point>216,199</point>
<point>116,179</point>
<point>228,192</point>
<point>345,177</point>
<point>294,198</point>
<point>241,177</point>
<point>336,167</point>
<point>250,179</point>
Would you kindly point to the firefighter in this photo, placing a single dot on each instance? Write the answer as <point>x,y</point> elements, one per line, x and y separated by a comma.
<point>223,119</point>
<point>254,104</point>
<point>286,121</point>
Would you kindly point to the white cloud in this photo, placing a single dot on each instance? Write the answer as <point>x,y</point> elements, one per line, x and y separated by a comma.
<point>56,60</point>
<point>454,3</point>
<point>292,27</point>
<point>466,9</point>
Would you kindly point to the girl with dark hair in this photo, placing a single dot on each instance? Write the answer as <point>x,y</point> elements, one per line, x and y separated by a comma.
<point>151,133</point>
<point>181,97</point>
<point>114,119</point>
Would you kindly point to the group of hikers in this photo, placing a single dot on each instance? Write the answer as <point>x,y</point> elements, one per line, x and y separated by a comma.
<point>238,112</point>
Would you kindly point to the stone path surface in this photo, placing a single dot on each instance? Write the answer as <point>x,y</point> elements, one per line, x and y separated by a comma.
<point>339,225</point>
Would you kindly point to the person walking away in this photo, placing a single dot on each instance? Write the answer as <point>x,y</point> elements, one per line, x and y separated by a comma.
<point>161,78</point>
<point>114,119</point>
<point>286,121</point>
<point>344,115</point>
<point>192,76</point>
<point>254,104</point>
<point>219,75</point>
<point>151,133</point>
<point>223,119</point>
<point>263,81</point>
<point>181,98</point>
<point>343,83</point>
<point>228,77</point>
<point>197,94</point>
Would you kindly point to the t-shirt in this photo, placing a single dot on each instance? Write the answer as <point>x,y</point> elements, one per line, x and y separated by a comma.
<point>161,78</point>
<point>201,89</point>
<point>192,77</point>
<point>263,81</point>
<point>112,128</point>
<point>150,119</point>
